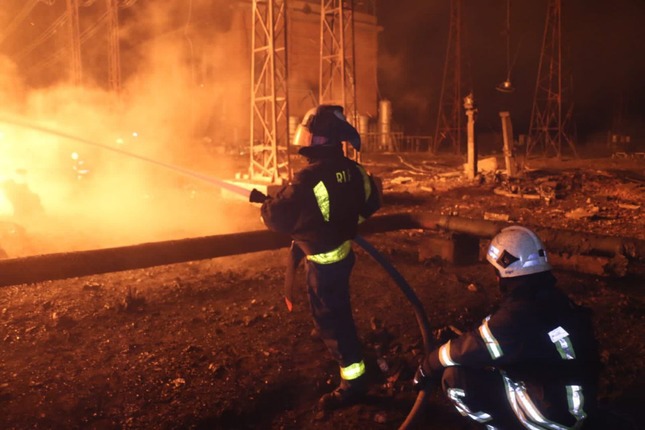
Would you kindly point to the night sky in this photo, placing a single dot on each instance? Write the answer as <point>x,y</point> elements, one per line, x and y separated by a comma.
<point>603,61</point>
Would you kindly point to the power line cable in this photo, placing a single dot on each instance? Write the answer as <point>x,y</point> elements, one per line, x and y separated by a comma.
<point>18,19</point>
<point>49,32</point>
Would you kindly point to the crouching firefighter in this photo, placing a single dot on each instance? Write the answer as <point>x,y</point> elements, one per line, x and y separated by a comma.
<point>321,209</point>
<point>532,364</point>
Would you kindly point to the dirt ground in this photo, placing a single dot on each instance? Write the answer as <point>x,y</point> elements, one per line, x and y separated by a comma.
<point>210,344</point>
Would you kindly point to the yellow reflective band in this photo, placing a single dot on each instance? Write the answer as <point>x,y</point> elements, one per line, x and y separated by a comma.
<point>494,349</point>
<point>444,355</point>
<point>352,371</point>
<point>332,256</point>
<point>366,182</point>
<point>322,197</point>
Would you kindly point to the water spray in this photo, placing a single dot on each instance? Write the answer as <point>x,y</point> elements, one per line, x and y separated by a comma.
<point>186,172</point>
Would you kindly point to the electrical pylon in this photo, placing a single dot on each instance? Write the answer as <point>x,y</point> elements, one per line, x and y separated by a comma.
<point>269,141</point>
<point>337,60</point>
<point>337,83</point>
<point>547,126</point>
<point>450,124</point>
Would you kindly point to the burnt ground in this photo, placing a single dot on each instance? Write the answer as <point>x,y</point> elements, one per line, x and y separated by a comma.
<point>210,345</point>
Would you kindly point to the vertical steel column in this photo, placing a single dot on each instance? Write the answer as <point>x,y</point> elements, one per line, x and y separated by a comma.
<point>546,129</point>
<point>269,134</point>
<point>450,126</point>
<point>114,55</point>
<point>76,66</point>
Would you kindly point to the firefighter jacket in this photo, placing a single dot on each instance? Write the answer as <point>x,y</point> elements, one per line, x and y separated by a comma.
<point>323,205</point>
<point>535,330</point>
<point>538,340</point>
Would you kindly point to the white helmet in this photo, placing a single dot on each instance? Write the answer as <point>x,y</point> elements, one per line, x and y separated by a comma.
<point>517,251</point>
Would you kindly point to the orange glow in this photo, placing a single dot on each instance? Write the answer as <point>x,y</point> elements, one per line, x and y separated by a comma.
<point>70,196</point>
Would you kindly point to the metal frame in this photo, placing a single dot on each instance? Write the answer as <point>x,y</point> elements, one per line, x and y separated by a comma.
<point>269,133</point>
<point>546,129</point>
<point>450,125</point>
<point>337,56</point>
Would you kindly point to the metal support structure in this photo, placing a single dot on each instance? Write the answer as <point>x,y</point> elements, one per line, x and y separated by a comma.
<point>547,126</point>
<point>509,156</point>
<point>269,134</point>
<point>471,113</point>
<point>337,59</point>
<point>450,126</point>
<point>114,56</point>
<point>76,66</point>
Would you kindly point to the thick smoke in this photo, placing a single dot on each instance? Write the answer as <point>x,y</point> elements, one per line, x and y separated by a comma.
<point>62,195</point>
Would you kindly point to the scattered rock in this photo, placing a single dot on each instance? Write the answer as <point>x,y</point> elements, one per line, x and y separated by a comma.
<point>492,216</point>
<point>380,418</point>
<point>580,213</point>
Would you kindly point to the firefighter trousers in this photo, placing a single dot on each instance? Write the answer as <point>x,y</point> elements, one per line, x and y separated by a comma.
<point>329,301</point>
<point>483,396</point>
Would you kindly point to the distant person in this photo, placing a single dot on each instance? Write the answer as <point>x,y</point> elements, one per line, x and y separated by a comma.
<point>321,209</point>
<point>533,363</point>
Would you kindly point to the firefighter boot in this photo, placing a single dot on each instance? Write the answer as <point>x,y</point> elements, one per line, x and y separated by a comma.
<point>346,394</point>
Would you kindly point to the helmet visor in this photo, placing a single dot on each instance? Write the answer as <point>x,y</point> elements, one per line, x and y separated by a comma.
<point>302,137</point>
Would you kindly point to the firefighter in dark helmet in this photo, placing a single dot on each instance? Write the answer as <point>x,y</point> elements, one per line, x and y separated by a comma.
<point>533,363</point>
<point>321,209</point>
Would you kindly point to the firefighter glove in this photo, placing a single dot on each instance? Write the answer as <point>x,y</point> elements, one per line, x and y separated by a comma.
<point>257,196</point>
<point>424,380</point>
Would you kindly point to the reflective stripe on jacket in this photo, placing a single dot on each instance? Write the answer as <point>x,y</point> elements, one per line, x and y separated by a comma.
<point>537,337</point>
<point>323,205</point>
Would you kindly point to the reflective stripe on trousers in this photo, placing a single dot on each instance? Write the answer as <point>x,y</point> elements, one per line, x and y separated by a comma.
<point>531,417</point>
<point>352,371</point>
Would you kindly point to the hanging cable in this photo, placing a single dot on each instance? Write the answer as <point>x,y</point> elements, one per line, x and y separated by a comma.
<point>49,32</point>
<point>59,53</point>
<point>506,86</point>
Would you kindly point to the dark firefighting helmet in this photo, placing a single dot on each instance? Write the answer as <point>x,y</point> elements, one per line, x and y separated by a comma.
<point>326,125</point>
<point>517,251</point>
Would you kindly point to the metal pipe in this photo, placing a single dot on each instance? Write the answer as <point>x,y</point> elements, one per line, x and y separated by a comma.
<point>566,241</point>
<point>83,263</point>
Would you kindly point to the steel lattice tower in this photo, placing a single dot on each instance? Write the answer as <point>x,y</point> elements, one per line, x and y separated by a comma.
<point>450,125</point>
<point>337,59</point>
<point>546,129</point>
<point>269,140</point>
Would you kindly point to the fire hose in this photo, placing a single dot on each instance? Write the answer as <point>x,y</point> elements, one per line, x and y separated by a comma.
<point>295,257</point>
<point>419,311</point>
